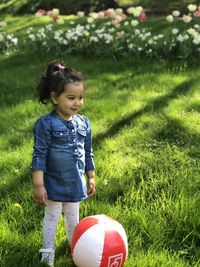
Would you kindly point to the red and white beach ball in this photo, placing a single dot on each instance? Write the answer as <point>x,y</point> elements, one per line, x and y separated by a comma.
<point>99,241</point>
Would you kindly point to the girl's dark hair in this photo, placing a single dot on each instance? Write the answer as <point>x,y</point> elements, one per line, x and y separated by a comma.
<point>55,78</point>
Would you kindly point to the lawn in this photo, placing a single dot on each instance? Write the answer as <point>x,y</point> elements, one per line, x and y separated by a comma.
<point>146,135</point>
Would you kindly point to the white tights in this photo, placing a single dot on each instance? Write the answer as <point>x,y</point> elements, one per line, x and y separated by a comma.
<point>53,211</point>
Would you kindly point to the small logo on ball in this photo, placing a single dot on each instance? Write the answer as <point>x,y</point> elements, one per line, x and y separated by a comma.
<point>116,260</point>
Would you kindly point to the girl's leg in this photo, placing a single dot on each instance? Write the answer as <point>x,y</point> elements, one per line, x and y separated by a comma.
<point>71,212</point>
<point>52,213</point>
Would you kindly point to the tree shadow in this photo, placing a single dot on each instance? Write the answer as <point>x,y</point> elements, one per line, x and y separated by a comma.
<point>153,106</point>
<point>175,134</point>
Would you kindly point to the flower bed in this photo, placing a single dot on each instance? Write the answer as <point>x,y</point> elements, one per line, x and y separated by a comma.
<point>118,33</point>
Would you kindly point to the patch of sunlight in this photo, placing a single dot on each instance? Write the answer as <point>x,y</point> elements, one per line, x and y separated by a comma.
<point>129,2</point>
<point>171,79</point>
<point>185,109</point>
<point>16,23</point>
<point>116,76</point>
<point>24,109</point>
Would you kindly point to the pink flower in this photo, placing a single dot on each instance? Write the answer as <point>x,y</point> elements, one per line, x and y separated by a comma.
<point>143,17</point>
<point>49,13</point>
<point>42,11</point>
<point>197,13</point>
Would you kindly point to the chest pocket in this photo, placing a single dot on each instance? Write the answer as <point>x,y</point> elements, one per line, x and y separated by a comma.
<point>60,135</point>
<point>82,132</point>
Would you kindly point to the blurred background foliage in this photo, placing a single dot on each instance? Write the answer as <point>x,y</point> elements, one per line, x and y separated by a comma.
<point>16,7</point>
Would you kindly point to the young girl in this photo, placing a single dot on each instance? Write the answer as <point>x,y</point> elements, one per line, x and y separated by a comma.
<point>62,153</point>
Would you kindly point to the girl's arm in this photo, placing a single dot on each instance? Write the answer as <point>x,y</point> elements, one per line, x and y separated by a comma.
<point>39,191</point>
<point>91,183</point>
<point>42,140</point>
<point>89,162</point>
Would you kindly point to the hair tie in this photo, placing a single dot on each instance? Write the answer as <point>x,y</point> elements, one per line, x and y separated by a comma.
<point>61,67</point>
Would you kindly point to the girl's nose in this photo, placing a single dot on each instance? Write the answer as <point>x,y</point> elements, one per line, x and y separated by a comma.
<point>77,102</point>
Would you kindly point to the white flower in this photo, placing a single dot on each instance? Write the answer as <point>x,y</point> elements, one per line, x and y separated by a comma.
<point>118,18</point>
<point>126,23</point>
<point>49,27</point>
<point>65,42</point>
<point>142,37</point>
<point>60,21</point>
<point>111,12</point>
<point>169,18</point>
<point>119,10</point>
<point>130,10</point>
<point>120,34</point>
<point>38,15</point>
<point>160,36</point>
<point>150,42</point>
<point>80,14</point>
<point>191,31</point>
<point>196,26</point>
<point>136,12</point>
<point>192,7</point>
<point>139,8</point>
<point>130,46</point>
<point>93,39</point>
<point>55,12</point>
<point>14,41</point>
<point>180,38</point>
<point>139,48</point>
<point>101,14</point>
<point>90,20</point>
<point>137,31</point>
<point>108,38</point>
<point>9,36</point>
<point>94,15</point>
<point>3,24</point>
<point>134,22</point>
<point>86,33</point>
<point>32,37</point>
<point>176,13</point>
<point>111,30</point>
<point>175,31</point>
<point>196,39</point>
<point>187,18</point>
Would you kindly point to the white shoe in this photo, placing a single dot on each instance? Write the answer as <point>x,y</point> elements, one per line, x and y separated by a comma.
<point>48,255</point>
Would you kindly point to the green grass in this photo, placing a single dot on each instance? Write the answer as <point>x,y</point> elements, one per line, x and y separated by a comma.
<point>146,133</point>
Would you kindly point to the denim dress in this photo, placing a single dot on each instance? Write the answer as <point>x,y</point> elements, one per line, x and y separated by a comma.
<point>63,150</point>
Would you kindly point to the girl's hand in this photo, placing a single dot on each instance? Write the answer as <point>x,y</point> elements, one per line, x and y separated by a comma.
<point>91,185</point>
<point>40,195</point>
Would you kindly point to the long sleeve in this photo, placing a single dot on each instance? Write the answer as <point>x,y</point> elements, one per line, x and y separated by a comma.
<point>42,140</point>
<point>89,162</point>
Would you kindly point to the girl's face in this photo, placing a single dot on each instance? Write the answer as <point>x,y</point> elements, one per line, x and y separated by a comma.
<point>70,101</point>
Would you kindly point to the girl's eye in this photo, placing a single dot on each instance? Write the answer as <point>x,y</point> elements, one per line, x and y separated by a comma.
<point>71,98</point>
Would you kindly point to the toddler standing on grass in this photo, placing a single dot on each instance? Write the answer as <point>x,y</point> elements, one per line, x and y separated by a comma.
<point>62,153</point>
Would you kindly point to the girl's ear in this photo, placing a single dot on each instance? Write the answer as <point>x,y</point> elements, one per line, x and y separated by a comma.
<point>53,98</point>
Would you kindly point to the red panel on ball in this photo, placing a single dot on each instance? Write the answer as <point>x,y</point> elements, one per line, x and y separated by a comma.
<point>83,225</point>
<point>114,251</point>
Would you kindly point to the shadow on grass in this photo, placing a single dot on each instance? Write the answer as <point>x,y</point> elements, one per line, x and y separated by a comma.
<point>171,132</point>
<point>154,106</point>
<point>21,71</point>
<point>175,134</point>
<point>18,256</point>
